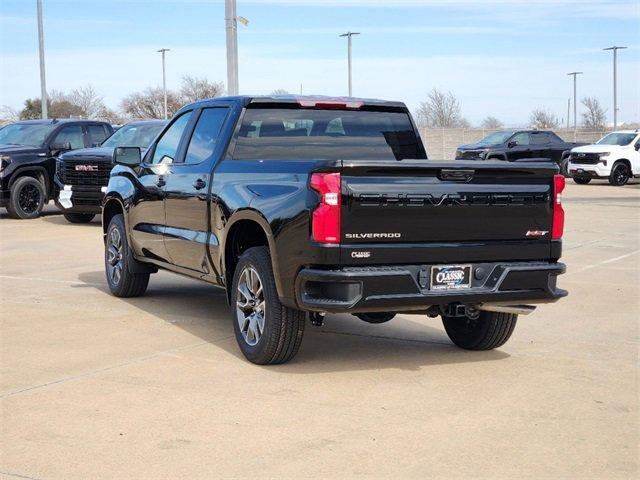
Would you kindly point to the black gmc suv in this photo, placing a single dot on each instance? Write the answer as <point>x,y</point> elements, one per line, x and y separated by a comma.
<point>308,205</point>
<point>27,159</point>
<point>513,145</point>
<point>82,175</point>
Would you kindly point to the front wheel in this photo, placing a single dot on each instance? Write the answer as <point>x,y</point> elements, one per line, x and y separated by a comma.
<point>27,198</point>
<point>581,180</point>
<point>620,174</point>
<point>267,332</point>
<point>118,263</point>
<point>488,331</point>
<point>79,217</point>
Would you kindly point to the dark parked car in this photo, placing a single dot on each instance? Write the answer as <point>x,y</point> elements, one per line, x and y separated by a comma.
<point>27,159</point>
<point>303,205</point>
<point>514,145</point>
<point>82,175</point>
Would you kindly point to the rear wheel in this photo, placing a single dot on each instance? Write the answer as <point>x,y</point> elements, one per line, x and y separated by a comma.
<point>79,217</point>
<point>119,263</point>
<point>581,180</point>
<point>376,317</point>
<point>620,174</point>
<point>267,332</point>
<point>490,330</point>
<point>26,199</point>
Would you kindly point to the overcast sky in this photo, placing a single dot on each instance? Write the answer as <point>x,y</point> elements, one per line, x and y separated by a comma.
<point>499,57</point>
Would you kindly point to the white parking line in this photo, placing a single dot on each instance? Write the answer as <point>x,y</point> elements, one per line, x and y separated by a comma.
<point>49,280</point>
<point>605,262</point>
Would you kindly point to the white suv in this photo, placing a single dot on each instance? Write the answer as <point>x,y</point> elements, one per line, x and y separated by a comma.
<point>615,156</point>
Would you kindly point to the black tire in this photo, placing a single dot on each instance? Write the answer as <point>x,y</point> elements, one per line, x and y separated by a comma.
<point>118,257</point>
<point>376,317</point>
<point>282,327</point>
<point>26,199</point>
<point>620,174</point>
<point>564,167</point>
<point>490,330</point>
<point>79,217</point>
<point>581,180</point>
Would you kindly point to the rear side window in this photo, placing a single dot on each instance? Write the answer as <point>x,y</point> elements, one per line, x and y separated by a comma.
<point>205,135</point>
<point>97,134</point>
<point>539,138</point>
<point>307,134</point>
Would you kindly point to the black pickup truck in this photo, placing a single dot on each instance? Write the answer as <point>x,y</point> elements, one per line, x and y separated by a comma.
<point>28,151</point>
<point>82,175</point>
<point>514,145</point>
<point>309,205</point>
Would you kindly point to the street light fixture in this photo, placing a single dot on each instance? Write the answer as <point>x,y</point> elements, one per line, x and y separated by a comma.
<point>43,82</point>
<point>575,105</point>
<point>164,80</point>
<point>349,35</point>
<point>615,83</point>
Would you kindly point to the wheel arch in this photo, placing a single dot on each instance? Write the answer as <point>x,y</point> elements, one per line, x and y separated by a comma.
<point>37,172</point>
<point>247,228</point>
<point>112,206</point>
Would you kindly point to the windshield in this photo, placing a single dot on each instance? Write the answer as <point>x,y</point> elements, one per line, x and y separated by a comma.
<point>306,134</point>
<point>495,138</point>
<point>30,134</point>
<point>140,135</point>
<point>620,139</point>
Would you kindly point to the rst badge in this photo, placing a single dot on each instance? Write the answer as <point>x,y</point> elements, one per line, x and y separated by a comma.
<point>537,233</point>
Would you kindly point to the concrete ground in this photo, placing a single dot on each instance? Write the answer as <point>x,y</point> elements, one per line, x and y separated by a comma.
<point>94,386</point>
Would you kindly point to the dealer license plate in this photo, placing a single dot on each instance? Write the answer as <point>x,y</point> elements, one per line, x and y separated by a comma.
<point>450,277</point>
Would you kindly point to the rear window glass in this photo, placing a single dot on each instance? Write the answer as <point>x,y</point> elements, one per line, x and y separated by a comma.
<point>305,134</point>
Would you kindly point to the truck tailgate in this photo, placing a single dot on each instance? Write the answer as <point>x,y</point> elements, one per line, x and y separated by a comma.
<point>497,210</point>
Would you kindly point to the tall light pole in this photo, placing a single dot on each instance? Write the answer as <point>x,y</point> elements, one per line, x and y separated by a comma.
<point>231,26</point>
<point>164,80</point>
<point>615,83</point>
<point>349,35</point>
<point>575,104</point>
<point>43,82</point>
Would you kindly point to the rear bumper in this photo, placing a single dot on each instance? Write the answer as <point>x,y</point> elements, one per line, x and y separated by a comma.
<point>405,288</point>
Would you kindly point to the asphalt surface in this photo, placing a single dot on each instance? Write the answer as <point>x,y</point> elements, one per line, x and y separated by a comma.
<point>93,386</point>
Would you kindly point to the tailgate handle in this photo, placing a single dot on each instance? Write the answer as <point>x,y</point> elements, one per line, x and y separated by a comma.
<point>456,175</point>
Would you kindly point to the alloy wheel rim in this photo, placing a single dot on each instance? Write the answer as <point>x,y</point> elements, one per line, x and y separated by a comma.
<point>114,256</point>
<point>621,174</point>
<point>29,198</point>
<point>250,306</point>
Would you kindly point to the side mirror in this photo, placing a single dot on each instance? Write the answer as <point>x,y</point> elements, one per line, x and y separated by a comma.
<point>512,144</point>
<point>60,146</point>
<point>129,156</point>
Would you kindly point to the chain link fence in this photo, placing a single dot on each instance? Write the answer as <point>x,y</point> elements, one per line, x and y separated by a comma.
<point>441,143</point>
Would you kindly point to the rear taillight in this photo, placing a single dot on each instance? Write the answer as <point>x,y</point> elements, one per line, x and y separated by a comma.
<point>325,223</point>
<point>557,227</point>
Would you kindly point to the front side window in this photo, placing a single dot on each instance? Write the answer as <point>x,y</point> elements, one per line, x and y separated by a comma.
<point>167,146</point>
<point>521,138</point>
<point>314,134</point>
<point>205,135</point>
<point>620,139</point>
<point>97,133</point>
<point>72,134</point>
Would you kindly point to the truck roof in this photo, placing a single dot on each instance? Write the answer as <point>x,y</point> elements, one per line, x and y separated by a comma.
<point>306,100</point>
<point>53,121</point>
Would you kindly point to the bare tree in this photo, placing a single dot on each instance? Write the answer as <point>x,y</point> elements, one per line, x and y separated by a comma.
<point>280,91</point>
<point>541,118</point>
<point>8,114</point>
<point>199,88</point>
<point>149,104</point>
<point>59,106</point>
<point>491,123</point>
<point>91,104</point>
<point>595,117</point>
<point>440,110</point>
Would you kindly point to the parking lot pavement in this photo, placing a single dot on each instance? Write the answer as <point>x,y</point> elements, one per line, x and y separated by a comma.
<point>98,387</point>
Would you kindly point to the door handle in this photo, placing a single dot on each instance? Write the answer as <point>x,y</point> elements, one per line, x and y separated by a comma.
<point>161,182</point>
<point>199,184</point>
